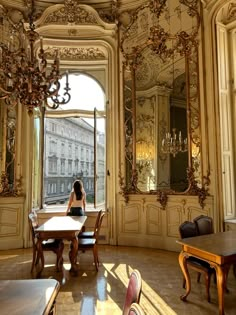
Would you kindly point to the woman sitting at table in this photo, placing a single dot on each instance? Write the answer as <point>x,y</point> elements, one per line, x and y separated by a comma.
<point>77,200</point>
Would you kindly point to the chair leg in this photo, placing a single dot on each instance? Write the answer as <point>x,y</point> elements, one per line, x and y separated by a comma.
<point>60,256</point>
<point>34,259</point>
<point>208,280</point>
<point>95,256</point>
<point>37,259</point>
<point>184,283</point>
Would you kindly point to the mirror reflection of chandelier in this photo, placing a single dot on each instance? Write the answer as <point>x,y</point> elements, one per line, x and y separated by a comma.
<point>173,144</point>
<point>144,150</point>
<point>23,74</point>
<point>144,154</point>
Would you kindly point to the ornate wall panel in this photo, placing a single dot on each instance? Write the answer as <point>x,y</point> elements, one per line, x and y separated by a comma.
<point>130,222</point>
<point>11,222</point>
<point>143,222</point>
<point>153,219</point>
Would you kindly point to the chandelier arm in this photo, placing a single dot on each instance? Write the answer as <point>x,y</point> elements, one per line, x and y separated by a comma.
<point>64,99</point>
<point>51,106</point>
<point>23,74</point>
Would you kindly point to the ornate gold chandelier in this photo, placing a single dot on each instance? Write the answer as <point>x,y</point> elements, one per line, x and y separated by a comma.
<point>24,75</point>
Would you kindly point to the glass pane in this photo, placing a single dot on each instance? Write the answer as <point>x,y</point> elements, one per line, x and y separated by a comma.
<point>68,155</point>
<point>100,156</point>
<point>85,92</point>
<point>36,182</point>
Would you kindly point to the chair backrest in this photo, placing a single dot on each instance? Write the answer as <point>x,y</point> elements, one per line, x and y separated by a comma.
<point>97,220</point>
<point>33,221</point>
<point>98,227</point>
<point>133,292</point>
<point>136,309</point>
<point>188,229</point>
<point>204,224</point>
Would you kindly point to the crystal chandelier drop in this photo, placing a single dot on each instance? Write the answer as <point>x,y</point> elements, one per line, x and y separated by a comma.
<point>24,75</point>
<point>172,144</point>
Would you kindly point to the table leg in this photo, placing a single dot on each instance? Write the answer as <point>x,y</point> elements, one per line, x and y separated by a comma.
<point>183,264</point>
<point>221,276</point>
<point>73,253</point>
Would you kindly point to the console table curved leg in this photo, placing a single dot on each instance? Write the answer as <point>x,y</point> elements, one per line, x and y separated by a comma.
<point>184,268</point>
<point>221,275</point>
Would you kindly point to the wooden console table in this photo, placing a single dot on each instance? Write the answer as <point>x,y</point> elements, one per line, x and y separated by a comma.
<point>218,249</point>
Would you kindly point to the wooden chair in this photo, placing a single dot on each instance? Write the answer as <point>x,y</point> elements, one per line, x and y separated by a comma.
<point>189,229</point>
<point>91,234</point>
<point>136,309</point>
<point>133,292</point>
<point>91,243</point>
<point>53,245</point>
<point>204,224</point>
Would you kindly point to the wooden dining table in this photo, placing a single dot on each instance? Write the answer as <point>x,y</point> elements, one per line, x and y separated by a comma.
<point>27,297</point>
<point>61,227</point>
<point>218,249</point>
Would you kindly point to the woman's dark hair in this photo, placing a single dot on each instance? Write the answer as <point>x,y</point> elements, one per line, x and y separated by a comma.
<point>78,187</point>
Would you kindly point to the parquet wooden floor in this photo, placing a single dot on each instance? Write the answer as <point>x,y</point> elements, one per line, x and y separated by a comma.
<point>103,293</point>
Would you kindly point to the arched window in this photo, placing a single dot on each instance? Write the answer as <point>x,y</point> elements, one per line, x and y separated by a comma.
<point>79,138</point>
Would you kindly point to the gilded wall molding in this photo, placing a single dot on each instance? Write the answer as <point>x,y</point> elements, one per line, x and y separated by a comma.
<point>76,53</point>
<point>72,13</point>
<point>64,16</point>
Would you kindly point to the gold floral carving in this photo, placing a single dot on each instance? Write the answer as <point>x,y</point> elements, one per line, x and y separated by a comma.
<point>231,14</point>
<point>71,12</point>
<point>5,188</point>
<point>203,191</point>
<point>109,16</point>
<point>77,53</point>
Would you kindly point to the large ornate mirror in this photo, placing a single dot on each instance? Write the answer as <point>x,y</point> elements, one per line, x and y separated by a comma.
<point>159,42</point>
<point>161,112</point>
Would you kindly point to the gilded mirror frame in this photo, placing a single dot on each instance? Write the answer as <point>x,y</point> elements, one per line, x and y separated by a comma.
<point>186,45</point>
<point>10,178</point>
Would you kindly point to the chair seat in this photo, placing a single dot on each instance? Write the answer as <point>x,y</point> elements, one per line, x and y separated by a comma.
<point>87,242</point>
<point>86,234</point>
<point>51,243</point>
<point>91,234</point>
<point>200,264</point>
